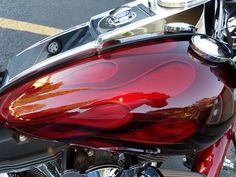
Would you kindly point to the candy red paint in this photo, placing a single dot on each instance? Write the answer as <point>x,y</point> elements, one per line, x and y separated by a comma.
<point>153,93</point>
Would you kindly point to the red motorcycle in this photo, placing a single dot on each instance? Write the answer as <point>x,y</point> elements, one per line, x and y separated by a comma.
<point>124,94</point>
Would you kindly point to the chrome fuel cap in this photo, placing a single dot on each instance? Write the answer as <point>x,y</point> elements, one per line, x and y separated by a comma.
<point>210,49</point>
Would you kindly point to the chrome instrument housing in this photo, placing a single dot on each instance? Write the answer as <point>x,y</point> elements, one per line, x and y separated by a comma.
<point>178,3</point>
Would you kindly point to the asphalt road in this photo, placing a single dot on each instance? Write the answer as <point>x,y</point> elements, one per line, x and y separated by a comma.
<point>60,14</point>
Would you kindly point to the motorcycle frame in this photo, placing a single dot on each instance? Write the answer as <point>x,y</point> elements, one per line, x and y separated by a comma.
<point>210,161</point>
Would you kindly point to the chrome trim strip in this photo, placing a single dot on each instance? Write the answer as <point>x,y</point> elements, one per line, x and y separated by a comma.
<point>85,49</point>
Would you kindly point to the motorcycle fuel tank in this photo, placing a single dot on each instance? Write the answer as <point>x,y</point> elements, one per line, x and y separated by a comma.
<point>141,95</point>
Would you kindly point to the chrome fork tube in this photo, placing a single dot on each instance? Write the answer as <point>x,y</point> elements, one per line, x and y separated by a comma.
<point>220,19</point>
<point>215,18</point>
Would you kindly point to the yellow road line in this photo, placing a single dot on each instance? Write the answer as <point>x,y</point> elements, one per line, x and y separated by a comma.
<point>28,27</point>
